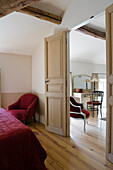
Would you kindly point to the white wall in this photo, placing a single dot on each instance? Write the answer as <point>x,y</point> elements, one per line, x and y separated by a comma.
<point>38,70</point>
<point>86,68</point>
<point>38,66</point>
<point>16,73</point>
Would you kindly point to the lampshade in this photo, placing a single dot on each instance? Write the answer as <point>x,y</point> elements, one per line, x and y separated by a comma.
<point>86,80</point>
<point>94,80</point>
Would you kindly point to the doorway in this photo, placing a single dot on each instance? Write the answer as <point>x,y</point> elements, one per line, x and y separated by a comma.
<point>88,57</point>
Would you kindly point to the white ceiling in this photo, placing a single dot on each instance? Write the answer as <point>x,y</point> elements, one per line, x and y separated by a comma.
<point>85,48</point>
<point>98,23</point>
<point>21,33</point>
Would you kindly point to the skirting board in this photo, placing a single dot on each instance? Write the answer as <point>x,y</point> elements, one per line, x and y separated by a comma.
<point>42,118</point>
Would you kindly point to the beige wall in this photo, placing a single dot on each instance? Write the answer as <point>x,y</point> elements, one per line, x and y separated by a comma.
<point>16,77</point>
<point>16,73</point>
<point>9,98</point>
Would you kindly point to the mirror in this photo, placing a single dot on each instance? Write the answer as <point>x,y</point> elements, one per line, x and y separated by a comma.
<point>82,82</point>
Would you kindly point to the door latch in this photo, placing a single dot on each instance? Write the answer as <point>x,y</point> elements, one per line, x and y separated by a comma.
<point>47,81</point>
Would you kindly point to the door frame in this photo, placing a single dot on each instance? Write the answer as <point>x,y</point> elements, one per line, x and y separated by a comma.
<point>68,87</point>
<point>109,70</point>
<point>68,83</point>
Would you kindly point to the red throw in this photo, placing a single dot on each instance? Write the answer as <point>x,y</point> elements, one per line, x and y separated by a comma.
<point>19,147</point>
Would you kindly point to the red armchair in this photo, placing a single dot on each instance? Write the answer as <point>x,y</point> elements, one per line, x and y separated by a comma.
<point>24,108</point>
<point>78,111</point>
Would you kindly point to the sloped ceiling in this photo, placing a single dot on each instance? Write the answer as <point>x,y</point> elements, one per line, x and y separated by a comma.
<point>56,7</point>
<point>21,33</point>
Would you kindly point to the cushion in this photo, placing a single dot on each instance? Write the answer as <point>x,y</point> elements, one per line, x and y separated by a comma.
<point>19,114</point>
<point>74,115</point>
<point>90,102</point>
<point>86,112</point>
<point>94,102</point>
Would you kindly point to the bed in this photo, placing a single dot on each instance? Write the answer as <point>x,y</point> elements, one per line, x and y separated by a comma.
<point>19,147</point>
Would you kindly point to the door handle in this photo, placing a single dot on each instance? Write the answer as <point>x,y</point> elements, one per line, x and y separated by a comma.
<point>47,81</point>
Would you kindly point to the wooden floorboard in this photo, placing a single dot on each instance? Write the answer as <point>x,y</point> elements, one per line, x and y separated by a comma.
<point>80,151</point>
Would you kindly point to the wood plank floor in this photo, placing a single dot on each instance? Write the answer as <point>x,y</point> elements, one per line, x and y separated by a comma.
<point>80,151</point>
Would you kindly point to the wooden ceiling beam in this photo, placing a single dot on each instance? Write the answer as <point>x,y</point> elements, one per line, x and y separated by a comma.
<point>44,15</point>
<point>9,6</point>
<point>92,32</point>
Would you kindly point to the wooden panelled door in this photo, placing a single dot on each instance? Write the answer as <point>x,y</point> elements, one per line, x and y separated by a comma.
<point>109,54</point>
<point>56,83</point>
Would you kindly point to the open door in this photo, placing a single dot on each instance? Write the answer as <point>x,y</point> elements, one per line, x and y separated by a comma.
<point>109,66</point>
<point>56,83</point>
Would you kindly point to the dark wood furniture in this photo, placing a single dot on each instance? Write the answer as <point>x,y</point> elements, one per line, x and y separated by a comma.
<point>97,99</point>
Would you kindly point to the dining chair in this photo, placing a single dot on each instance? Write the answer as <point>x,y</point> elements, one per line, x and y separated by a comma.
<point>97,99</point>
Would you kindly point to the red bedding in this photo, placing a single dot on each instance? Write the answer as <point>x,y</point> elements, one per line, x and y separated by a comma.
<point>19,147</point>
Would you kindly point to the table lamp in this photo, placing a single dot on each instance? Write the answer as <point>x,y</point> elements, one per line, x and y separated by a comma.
<point>94,80</point>
<point>86,80</point>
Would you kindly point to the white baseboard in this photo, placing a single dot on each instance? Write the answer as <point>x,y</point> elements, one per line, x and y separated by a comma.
<point>42,118</point>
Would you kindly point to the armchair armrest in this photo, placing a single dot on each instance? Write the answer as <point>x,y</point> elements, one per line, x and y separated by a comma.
<point>14,105</point>
<point>32,105</point>
<point>74,108</point>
